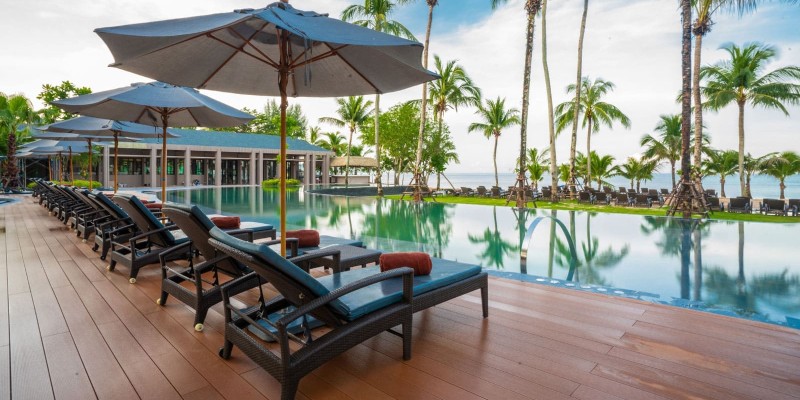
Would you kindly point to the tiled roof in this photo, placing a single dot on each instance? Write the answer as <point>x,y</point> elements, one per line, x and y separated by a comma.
<point>192,137</point>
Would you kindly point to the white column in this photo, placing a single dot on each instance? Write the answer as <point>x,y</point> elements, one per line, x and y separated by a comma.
<point>218,169</point>
<point>260,168</point>
<point>252,174</point>
<point>153,168</point>
<point>187,168</point>
<point>105,169</point>
<point>326,166</point>
<point>309,170</point>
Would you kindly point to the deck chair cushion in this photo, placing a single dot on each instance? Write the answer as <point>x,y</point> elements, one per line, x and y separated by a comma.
<point>272,258</point>
<point>371,298</point>
<point>110,204</point>
<point>155,221</point>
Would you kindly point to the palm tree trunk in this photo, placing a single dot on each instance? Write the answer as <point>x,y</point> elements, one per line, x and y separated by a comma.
<point>550,122</point>
<point>741,150</point>
<point>783,186</point>
<point>589,154</point>
<point>347,160</point>
<point>698,105</point>
<point>378,145</point>
<point>531,8</point>
<point>722,186</point>
<point>494,157</point>
<point>574,138</point>
<point>698,264</point>
<point>686,104</point>
<point>672,175</point>
<point>424,105</point>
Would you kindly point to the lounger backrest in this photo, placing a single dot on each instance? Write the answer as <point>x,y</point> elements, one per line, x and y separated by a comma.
<point>109,205</point>
<point>794,202</point>
<point>739,202</point>
<point>775,204</point>
<point>584,196</point>
<point>296,285</point>
<point>713,201</point>
<point>196,225</point>
<point>145,220</point>
<point>622,198</point>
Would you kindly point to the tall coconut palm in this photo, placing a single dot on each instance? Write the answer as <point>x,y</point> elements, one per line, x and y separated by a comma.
<point>550,122</point>
<point>667,145</point>
<point>722,163</point>
<point>353,112</point>
<point>532,8</point>
<point>595,112</point>
<point>537,165</point>
<point>374,14</point>
<point>314,135</point>
<point>753,165</point>
<point>741,80</point>
<point>495,118</point>
<point>15,111</point>
<point>335,142</point>
<point>424,109</point>
<point>603,167</point>
<point>637,170</point>
<point>454,88</point>
<point>577,99</point>
<point>681,200</point>
<point>781,166</point>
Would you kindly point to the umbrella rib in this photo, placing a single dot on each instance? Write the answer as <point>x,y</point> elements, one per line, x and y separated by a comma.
<point>239,49</point>
<point>354,69</point>
<point>248,42</point>
<point>331,53</point>
<point>268,61</point>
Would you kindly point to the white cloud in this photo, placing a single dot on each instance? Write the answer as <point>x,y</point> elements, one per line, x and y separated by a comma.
<point>636,45</point>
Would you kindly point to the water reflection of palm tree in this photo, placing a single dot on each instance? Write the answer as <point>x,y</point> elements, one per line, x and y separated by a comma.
<point>432,225</point>
<point>495,248</point>
<point>591,260</point>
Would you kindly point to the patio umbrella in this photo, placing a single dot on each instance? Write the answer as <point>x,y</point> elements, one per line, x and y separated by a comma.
<point>264,52</point>
<point>106,127</point>
<point>75,137</point>
<point>49,145</point>
<point>157,104</point>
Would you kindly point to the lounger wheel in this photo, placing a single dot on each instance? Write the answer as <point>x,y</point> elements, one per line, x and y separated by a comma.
<point>158,301</point>
<point>132,280</point>
<point>221,353</point>
<point>104,258</point>
<point>108,268</point>
<point>84,240</point>
<point>198,328</point>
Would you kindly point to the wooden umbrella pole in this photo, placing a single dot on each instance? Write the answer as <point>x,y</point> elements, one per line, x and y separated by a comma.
<point>71,173</point>
<point>282,83</point>
<point>116,160</point>
<point>49,168</point>
<point>164,122</point>
<point>90,163</point>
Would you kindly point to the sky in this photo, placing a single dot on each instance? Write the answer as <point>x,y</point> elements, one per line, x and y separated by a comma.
<point>634,44</point>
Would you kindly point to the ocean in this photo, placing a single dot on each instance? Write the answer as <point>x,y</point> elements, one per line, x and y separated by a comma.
<point>762,186</point>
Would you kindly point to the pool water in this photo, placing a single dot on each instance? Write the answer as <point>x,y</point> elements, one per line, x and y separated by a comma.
<point>744,269</point>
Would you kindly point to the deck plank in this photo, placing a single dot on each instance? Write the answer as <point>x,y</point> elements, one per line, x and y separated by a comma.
<point>29,373</point>
<point>67,374</point>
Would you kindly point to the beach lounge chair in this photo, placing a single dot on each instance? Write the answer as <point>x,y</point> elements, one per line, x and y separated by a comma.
<point>655,197</point>
<point>481,191</point>
<point>714,204</point>
<point>622,190</point>
<point>602,198</point>
<point>641,200</point>
<point>546,193</point>
<point>465,191</point>
<point>118,226</point>
<point>585,197</point>
<point>352,314</point>
<point>773,206</point>
<point>144,248</point>
<point>623,200</point>
<point>793,207</point>
<point>496,192</point>
<point>710,193</point>
<point>740,205</point>
<point>644,191</point>
<point>447,280</point>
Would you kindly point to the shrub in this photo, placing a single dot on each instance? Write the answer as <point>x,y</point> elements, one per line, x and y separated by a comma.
<point>80,183</point>
<point>274,183</point>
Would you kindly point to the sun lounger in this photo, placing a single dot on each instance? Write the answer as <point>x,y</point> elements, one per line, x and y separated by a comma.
<point>585,197</point>
<point>793,207</point>
<point>481,191</point>
<point>602,198</point>
<point>740,205</point>
<point>714,204</point>
<point>118,226</point>
<point>623,200</point>
<point>773,206</point>
<point>641,200</point>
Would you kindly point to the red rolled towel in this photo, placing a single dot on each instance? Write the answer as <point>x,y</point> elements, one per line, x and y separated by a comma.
<point>420,262</point>
<point>153,206</point>
<point>226,222</point>
<point>305,237</point>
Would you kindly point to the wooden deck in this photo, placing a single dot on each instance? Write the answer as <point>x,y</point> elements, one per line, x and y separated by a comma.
<point>71,330</point>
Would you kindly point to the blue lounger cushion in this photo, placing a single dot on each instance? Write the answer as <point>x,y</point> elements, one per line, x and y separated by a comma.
<point>173,237</point>
<point>371,298</point>
<point>327,241</point>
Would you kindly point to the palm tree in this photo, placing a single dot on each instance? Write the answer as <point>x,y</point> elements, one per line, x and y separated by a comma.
<point>603,167</point>
<point>753,165</point>
<point>335,142</point>
<point>532,8</point>
<point>741,80</point>
<point>550,122</point>
<point>637,170</point>
<point>595,112</point>
<point>781,166</point>
<point>454,88</point>
<point>537,165</point>
<point>15,111</point>
<point>374,14</point>
<point>722,163</point>
<point>313,136</point>
<point>577,99</point>
<point>667,146</point>
<point>496,248</point>
<point>353,112</point>
<point>423,121</point>
<point>495,119</point>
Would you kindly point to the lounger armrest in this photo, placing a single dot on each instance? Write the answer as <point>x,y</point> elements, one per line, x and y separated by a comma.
<point>241,231</point>
<point>162,257</point>
<point>408,292</point>
<point>302,261</point>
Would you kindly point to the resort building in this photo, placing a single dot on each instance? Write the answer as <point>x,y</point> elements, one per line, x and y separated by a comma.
<point>201,157</point>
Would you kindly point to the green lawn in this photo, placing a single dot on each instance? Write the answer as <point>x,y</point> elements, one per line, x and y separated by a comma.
<point>574,206</point>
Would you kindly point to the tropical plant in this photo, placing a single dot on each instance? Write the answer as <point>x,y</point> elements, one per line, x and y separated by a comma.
<point>637,170</point>
<point>550,119</point>
<point>268,121</point>
<point>495,118</point>
<point>454,88</point>
<point>335,142</point>
<point>577,99</point>
<point>595,112</point>
<point>49,93</point>
<point>532,8</point>
<point>537,165</point>
<point>314,135</point>
<point>741,80</point>
<point>440,152</point>
<point>722,163</point>
<point>781,166</point>
<point>603,167</point>
<point>353,113</point>
<point>423,119</point>
<point>16,112</point>
<point>679,192</point>
<point>667,146</point>
<point>752,165</point>
<point>374,14</point>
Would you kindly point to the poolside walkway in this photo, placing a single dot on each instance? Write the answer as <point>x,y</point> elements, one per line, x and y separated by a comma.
<point>71,330</point>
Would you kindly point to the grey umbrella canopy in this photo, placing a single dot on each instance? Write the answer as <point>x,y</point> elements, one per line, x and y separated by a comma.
<point>107,127</point>
<point>75,137</point>
<point>157,104</point>
<point>275,51</point>
<point>43,147</point>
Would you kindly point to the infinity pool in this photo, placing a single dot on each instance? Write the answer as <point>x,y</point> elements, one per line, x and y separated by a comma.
<point>745,269</point>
